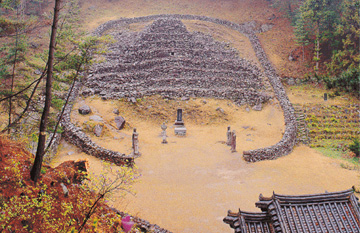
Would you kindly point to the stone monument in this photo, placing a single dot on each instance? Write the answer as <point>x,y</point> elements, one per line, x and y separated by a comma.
<point>180,129</point>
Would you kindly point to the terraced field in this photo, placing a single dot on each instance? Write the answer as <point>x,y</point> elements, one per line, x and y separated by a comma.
<point>332,126</point>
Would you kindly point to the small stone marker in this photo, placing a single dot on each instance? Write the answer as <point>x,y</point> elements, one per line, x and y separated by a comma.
<point>233,141</point>
<point>180,129</point>
<point>325,96</point>
<point>135,142</point>
<point>228,136</point>
<point>179,120</point>
<point>164,127</point>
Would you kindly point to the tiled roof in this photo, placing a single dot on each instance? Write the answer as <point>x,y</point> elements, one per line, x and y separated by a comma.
<point>249,222</point>
<point>327,212</point>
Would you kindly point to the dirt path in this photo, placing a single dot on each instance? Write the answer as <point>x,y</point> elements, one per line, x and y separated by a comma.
<point>189,184</point>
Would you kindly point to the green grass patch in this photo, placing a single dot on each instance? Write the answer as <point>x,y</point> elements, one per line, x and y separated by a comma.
<point>36,62</point>
<point>351,163</point>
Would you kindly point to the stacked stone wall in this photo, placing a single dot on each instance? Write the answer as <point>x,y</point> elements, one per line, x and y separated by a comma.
<point>76,136</point>
<point>191,64</point>
<point>286,144</point>
<point>283,147</point>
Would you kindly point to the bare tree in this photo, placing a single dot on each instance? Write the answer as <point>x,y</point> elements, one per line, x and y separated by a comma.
<point>112,181</point>
<point>35,171</point>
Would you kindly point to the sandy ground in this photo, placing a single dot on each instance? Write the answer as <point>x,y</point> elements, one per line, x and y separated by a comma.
<point>189,184</point>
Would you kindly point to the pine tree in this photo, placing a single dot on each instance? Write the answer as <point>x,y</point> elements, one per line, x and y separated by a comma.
<point>35,171</point>
<point>320,16</point>
<point>301,34</point>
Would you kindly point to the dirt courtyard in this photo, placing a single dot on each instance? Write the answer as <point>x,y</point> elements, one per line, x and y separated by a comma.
<point>189,184</point>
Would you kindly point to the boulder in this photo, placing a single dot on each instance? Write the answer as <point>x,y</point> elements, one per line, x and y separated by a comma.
<point>98,130</point>
<point>120,122</point>
<point>65,190</point>
<point>96,118</point>
<point>88,92</point>
<point>132,100</point>
<point>84,110</point>
<point>116,111</point>
<point>257,107</point>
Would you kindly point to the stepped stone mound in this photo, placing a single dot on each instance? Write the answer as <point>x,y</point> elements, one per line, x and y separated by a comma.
<point>165,58</point>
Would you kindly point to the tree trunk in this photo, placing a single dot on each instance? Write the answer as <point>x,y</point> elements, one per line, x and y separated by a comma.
<point>303,53</point>
<point>35,171</point>
<point>317,53</point>
<point>12,78</point>
<point>317,47</point>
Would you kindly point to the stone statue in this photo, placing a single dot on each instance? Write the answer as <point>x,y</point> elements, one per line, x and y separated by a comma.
<point>228,136</point>
<point>164,127</point>
<point>233,141</point>
<point>135,142</point>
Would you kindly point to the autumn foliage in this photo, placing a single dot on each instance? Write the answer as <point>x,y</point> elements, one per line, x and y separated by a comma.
<point>46,206</point>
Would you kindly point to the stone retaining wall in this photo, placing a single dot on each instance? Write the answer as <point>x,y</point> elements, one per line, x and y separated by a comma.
<point>76,136</point>
<point>286,144</point>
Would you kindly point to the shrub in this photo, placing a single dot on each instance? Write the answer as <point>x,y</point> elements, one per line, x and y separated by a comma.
<point>348,81</point>
<point>355,147</point>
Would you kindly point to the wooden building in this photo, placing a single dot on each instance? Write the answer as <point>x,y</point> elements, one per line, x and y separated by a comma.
<point>327,212</point>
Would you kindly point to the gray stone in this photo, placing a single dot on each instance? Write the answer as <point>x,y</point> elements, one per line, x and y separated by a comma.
<point>266,27</point>
<point>257,107</point>
<point>70,152</point>
<point>132,100</point>
<point>116,111</point>
<point>204,102</point>
<point>247,109</point>
<point>291,81</point>
<point>120,122</point>
<point>96,118</point>
<point>220,110</point>
<point>98,130</point>
<point>272,17</point>
<point>84,110</point>
<point>88,92</point>
<point>184,98</point>
<point>37,71</point>
<point>65,190</point>
<point>34,45</point>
